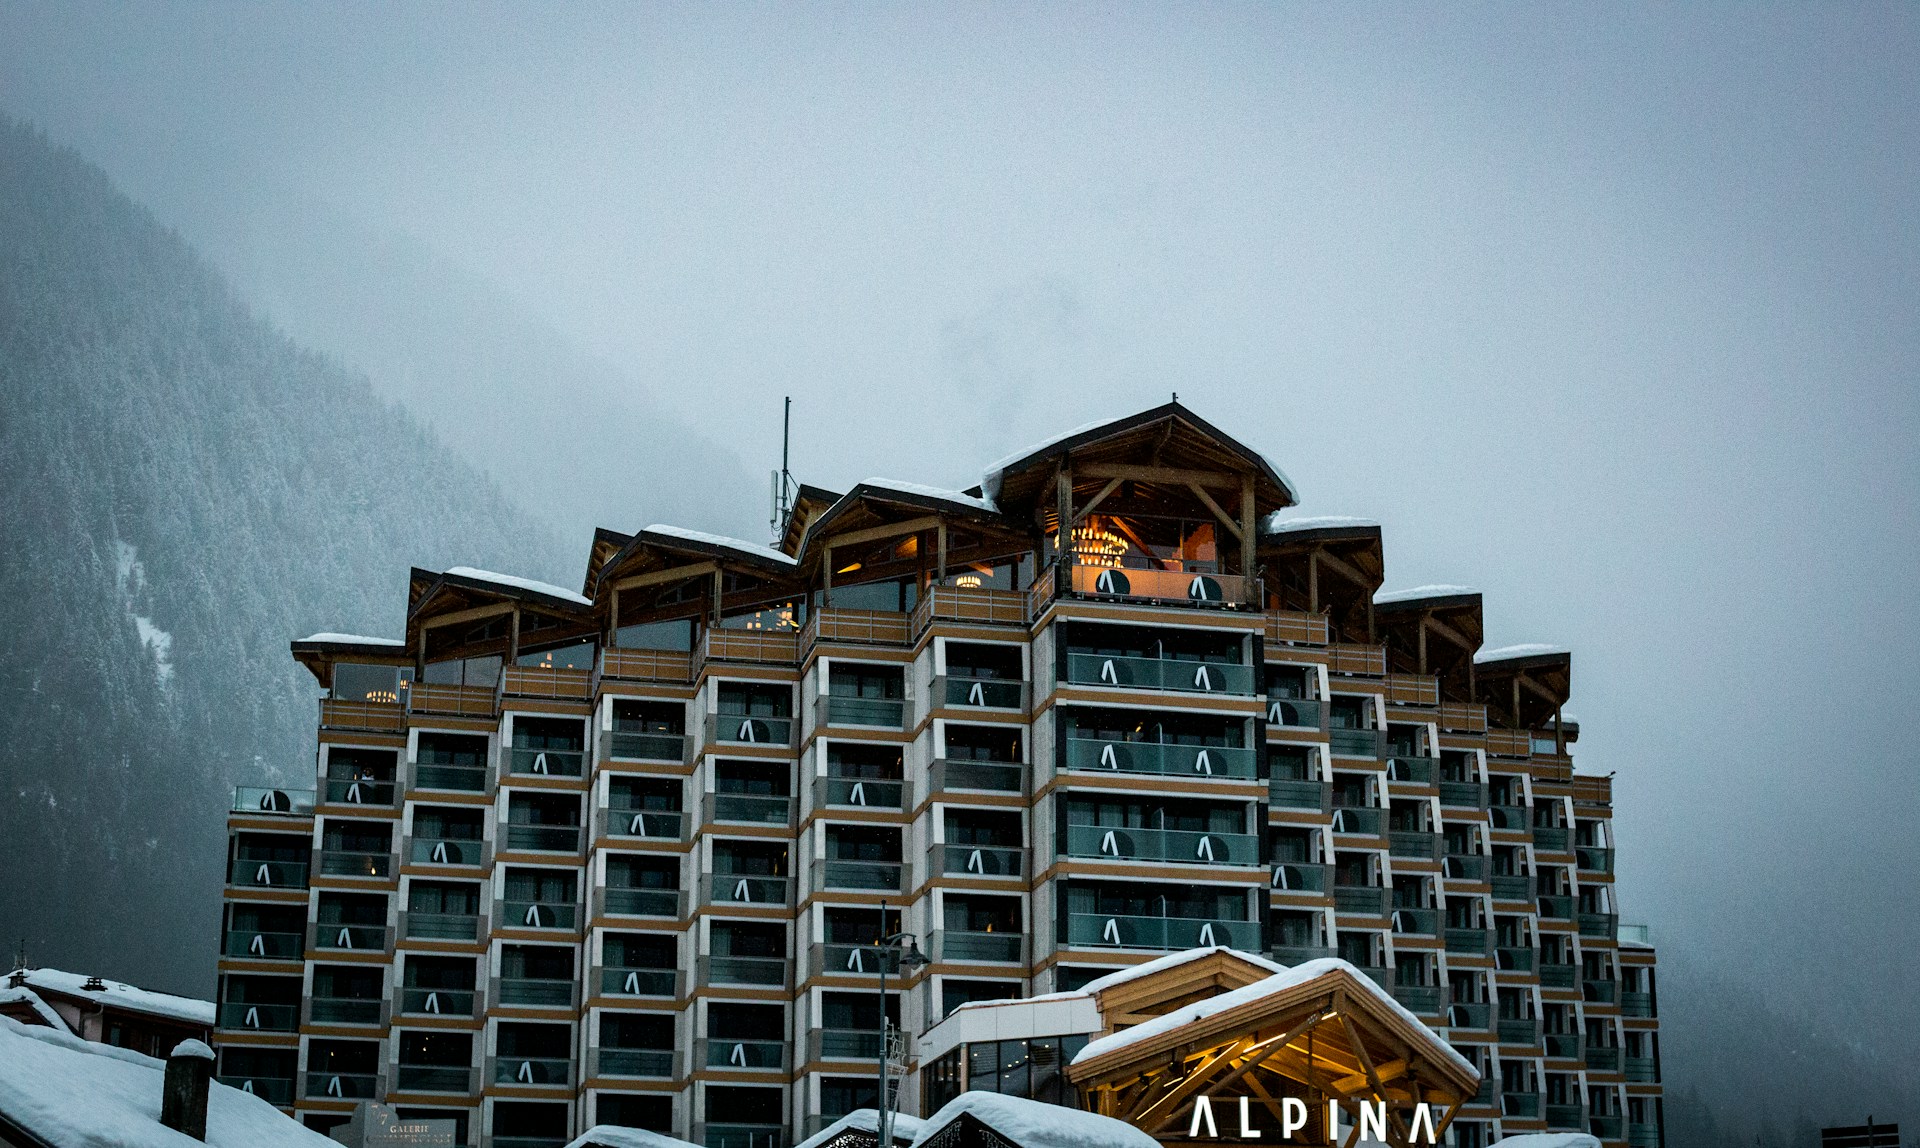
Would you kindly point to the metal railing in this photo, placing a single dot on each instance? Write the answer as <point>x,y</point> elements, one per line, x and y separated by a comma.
<point>1170,845</point>
<point>1160,758</point>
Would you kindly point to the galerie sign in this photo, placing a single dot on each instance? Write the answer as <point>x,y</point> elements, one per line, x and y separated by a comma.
<point>1293,1112</point>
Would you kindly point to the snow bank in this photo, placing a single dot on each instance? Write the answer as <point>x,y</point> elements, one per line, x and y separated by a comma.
<point>352,639</point>
<point>1036,1124</point>
<point>518,583</point>
<point>1279,982</point>
<point>935,492</point>
<point>125,996</point>
<point>80,1095</point>
<point>614,1136</point>
<point>40,1008</point>
<point>1414,594</point>
<point>1523,650</point>
<point>864,1120</point>
<point>740,544</point>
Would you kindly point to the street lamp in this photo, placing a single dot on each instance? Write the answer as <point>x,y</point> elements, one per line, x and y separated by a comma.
<point>910,958</point>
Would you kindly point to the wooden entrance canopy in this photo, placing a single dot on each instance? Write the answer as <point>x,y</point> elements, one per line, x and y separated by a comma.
<point>1318,1033</point>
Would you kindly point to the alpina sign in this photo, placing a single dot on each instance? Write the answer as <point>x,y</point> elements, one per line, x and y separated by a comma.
<point>1374,1121</point>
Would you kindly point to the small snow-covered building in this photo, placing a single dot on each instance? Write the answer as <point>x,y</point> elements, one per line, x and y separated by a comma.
<point>59,1091</point>
<point>107,1012</point>
<point>1211,1043</point>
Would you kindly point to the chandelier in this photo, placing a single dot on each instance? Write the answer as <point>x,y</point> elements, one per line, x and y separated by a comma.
<point>1098,546</point>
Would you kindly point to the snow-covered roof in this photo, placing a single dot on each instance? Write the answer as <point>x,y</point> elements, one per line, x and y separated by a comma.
<point>1522,650</point>
<point>864,1120</point>
<point>78,1094</point>
<point>1174,961</point>
<point>991,477</point>
<point>39,1008</point>
<point>1279,982</point>
<point>1549,1140</point>
<point>1036,1124</point>
<point>1278,525</point>
<point>615,1136</point>
<point>518,583</point>
<point>919,490</point>
<point>124,996</point>
<point>753,549</point>
<point>330,638</point>
<point>1415,593</point>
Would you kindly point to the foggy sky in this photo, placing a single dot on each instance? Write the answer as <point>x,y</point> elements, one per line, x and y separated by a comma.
<point>1608,312</point>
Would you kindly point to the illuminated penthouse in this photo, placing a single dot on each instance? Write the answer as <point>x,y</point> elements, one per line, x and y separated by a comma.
<point>643,854</point>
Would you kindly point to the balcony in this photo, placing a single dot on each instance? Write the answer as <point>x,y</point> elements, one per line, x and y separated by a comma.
<point>864,713</point>
<point>1292,793</point>
<point>977,861</point>
<point>952,773</point>
<point>748,809</point>
<point>671,748</point>
<point>748,889</point>
<point>453,851</point>
<point>1636,1004</point>
<point>1507,818</point>
<point>1164,933</point>
<point>1414,844</point>
<point>764,647</point>
<point>749,729</point>
<point>1413,690</point>
<point>1607,1126</point>
<point>1464,867</point>
<point>1359,821</point>
<point>1564,1045</point>
<point>1361,900</point>
<point>619,981</point>
<point>348,863</point>
<point>1003,694</point>
<point>639,665</point>
<point>1599,991</point>
<point>1557,908</point>
<point>547,682</point>
<point>1592,859</point>
<point>1291,955</point>
<point>1518,1030</point>
<point>380,794</point>
<point>336,937</point>
<point>442,926</point>
<point>844,1044</point>
<point>463,1079</point>
<point>830,873</point>
<point>265,874</point>
<point>1170,845</point>
<point>847,960</point>
<point>627,901</point>
<point>1603,1059</point>
<point>535,992</point>
<point>248,944</point>
<point>641,1063</point>
<point>344,1086</point>
<point>1512,887</point>
<point>1463,794</point>
<point>1551,838</point>
<point>455,701</point>
<point>1643,1135</point>
<point>1357,659</point>
<point>745,1055</point>
<point>1412,770</point>
<point>537,1071</point>
<point>860,627</point>
<point>1417,921</point>
<point>974,606</point>
<point>958,946</point>
<point>1173,675</point>
<point>525,838</point>
<point>348,1010</point>
<point>1296,627</point>
<point>1598,924</point>
<point>362,717</point>
<point>1469,1014</point>
<point>1469,940</point>
<point>1166,760</point>
<point>546,762</point>
<point>450,777</point>
<point>278,802</point>
<point>752,972</point>
<point>1367,743</point>
<point>631,823</point>
<point>1423,999</point>
<point>1463,718</point>
<point>1186,587</point>
<point>1641,1070</point>
<point>859,793</point>
<point>562,915</point>
<point>1300,877</point>
<point>1566,1117</point>
<point>259,1017</point>
<point>1514,959</point>
<point>275,1090</point>
<point>1297,713</point>
<point>417,1001</point>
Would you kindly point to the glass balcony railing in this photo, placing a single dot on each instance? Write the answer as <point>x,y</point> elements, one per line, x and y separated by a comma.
<point>264,946</point>
<point>1363,900</point>
<point>959,945</point>
<point>619,981</point>
<point>1563,1045</point>
<point>750,808</point>
<point>539,915</point>
<point>648,1063</point>
<point>735,1135</point>
<point>1418,921</point>
<point>1463,794</point>
<point>749,1055</point>
<point>1607,1126</point>
<point>450,777</point>
<point>1520,960</point>
<point>260,1017</point>
<point>949,773</point>
<point>261,799</point>
<point>623,901</point>
<point>461,1078</point>
<point>1464,867</point>
<point>1412,770</point>
<point>983,693</point>
<point>1554,975</point>
<point>1641,1069</point>
<point>1413,844</point>
<point>275,1090</point>
<point>1170,845</point>
<point>344,1086</point>
<point>257,874</point>
<point>345,863</point>
<point>845,1044</point>
<point>978,861</point>
<point>1296,713</point>
<point>446,851</point>
<point>1293,793</point>
<point>1508,818</point>
<point>1512,887</point>
<point>349,792</point>
<point>1565,1117</point>
<point>728,970</point>
<point>865,876</point>
<point>530,1070</point>
<point>1643,1135</point>
<point>749,729</point>
<point>860,792</point>
<point>349,938</point>
<point>1594,860</point>
<point>1159,758</point>
<point>546,762</point>
<point>1359,820</point>
<point>1191,587</point>
<point>749,889</point>
<point>1602,1059</point>
<point>1597,924</point>
<point>536,992</point>
<point>879,713</point>
<point>1518,1030</point>
<point>1422,999</point>
<point>1291,955</point>
<point>1368,743</point>
<point>1463,939</point>
<point>1468,1014</point>
<point>1165,933</point>
<point>1300,877</point>
<point>417,1001</point>
<point>1557,908</point>
<point>1550,838</point>
<point>643,824</point>
<point>847,960</point>
<point>347,1010</point>
<point>637,746</point>
<point>1161,674</point>
<point>1636,1004</point>
<point>1599,991</point>
<point>542,838</point>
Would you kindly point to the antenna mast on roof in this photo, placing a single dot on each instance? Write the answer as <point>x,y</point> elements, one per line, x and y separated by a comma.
<point>782,478</point>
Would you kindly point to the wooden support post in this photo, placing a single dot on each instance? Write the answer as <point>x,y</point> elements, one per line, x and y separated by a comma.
<point>826,577</point>
<point>719,587</point>
<point>1559,735</point>
<point>513,643</point>
<point>1246,525</point>
<point>613,621</point>
<point>1423,643</point>
<point>941,533</point>
<point>1313,581</point>
<point>1516,701</point>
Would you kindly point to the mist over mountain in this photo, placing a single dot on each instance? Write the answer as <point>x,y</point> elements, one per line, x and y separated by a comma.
<point>187,489</point>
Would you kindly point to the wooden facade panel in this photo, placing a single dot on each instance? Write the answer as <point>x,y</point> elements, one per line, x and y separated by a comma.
<point>647,665</point>
<point>1413,690</point>
<point>1351,658</point>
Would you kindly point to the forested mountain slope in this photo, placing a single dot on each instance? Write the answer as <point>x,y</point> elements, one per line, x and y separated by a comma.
<point>185,490</point>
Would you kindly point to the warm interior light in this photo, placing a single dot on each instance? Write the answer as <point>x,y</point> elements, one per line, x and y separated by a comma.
<point>1098,546</point>
<point>848,568</point>
<point>968,581</point>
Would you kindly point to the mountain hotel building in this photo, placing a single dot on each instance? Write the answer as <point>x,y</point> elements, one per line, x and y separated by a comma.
<point>622,856</point>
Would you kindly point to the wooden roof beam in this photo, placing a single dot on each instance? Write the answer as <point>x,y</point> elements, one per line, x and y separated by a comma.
<point>1164,475</point>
